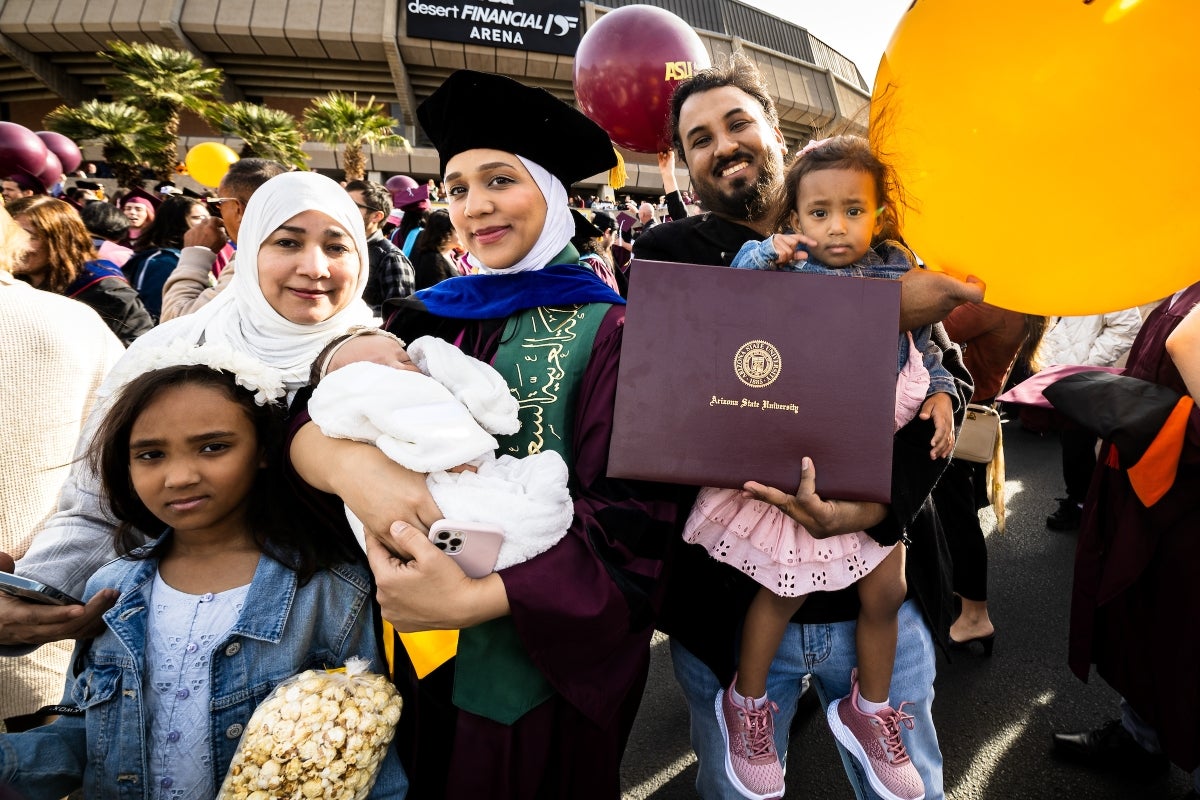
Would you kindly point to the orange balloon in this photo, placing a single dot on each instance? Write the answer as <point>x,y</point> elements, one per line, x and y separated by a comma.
<point>1047,146</point>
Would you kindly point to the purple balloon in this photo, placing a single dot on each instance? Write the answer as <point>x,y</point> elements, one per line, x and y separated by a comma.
<point>66,150</point>
<point>20,150</point>
<point>52,171</point>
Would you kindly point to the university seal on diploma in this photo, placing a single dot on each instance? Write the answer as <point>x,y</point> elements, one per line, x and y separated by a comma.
<point>757,363</point>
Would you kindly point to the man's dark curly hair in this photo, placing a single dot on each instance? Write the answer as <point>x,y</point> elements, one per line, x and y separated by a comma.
<point>737,71</point>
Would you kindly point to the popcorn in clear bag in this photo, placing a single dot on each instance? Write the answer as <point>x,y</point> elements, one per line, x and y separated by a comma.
<point>318,734</point>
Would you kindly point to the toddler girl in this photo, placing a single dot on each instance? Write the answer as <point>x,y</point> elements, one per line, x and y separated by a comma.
<point>227,602</point>
<point>839,204</point>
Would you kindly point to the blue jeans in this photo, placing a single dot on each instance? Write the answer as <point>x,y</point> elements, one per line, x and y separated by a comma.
<point>828,654</point>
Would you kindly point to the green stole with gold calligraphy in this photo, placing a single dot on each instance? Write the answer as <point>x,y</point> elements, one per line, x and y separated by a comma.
<point>543,353</point>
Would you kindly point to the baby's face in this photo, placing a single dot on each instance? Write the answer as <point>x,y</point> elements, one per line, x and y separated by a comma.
<point>373,349</point>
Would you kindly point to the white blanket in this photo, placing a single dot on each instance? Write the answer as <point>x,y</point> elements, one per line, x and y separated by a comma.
<point>441,418</point>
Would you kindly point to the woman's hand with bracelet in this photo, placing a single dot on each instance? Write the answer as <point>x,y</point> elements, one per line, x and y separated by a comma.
<point>378,490</point>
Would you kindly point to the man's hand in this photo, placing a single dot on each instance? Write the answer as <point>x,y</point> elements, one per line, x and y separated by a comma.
<point>821,518</point>
<point>24,622</point>
<point>666,167</point>
<point>210,234</point>
<point>927,297</point>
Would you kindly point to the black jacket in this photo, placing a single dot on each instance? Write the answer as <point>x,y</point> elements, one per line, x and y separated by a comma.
<point>109,294</point>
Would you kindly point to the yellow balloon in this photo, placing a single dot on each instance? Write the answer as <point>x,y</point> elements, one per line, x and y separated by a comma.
<point>208,162</point>
<point>1047,146</point>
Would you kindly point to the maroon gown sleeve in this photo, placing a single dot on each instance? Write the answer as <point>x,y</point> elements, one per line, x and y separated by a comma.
<point>585,608</point>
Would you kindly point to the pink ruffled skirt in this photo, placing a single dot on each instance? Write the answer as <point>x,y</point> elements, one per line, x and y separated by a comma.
<point>774,549</point>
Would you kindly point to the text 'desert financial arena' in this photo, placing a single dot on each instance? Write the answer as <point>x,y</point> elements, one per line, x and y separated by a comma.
<point>546,26</point>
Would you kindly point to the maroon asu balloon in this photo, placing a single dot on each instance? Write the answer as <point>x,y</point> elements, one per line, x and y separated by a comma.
<point>626,68</point>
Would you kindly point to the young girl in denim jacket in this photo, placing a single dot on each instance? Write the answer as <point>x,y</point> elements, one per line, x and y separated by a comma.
<point>230,600</point>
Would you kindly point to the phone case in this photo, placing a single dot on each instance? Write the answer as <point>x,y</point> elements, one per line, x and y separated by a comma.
<point>473,545</point>
<point>26,589</point>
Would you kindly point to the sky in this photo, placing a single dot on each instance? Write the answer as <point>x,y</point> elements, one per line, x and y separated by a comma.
<point>858,29</point>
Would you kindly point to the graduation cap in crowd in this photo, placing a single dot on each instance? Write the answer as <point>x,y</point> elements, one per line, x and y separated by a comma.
<point>139,195</point>
<point>603,221</point>
<point>27,182</point>
<point>584,229</point>
<point>413,198</point>
<point>510,116</point>
<point>1146,423</point>
<point>1029,391</point>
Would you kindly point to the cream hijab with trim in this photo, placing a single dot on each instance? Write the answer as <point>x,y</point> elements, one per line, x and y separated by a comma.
<point>242,318</point>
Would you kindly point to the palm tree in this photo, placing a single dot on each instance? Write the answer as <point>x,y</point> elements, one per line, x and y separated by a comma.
<point>162,82</point>
<point>338,119</point>
<point>127,135</point>
<point>265,132</point>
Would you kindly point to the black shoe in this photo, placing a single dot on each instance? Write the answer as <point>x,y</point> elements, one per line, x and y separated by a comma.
<point>1067,517</point>
<point>1110,747</point>
<point>986,642</point>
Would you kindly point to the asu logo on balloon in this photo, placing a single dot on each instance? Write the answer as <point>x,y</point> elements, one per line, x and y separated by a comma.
<point>757,363</point>
<point>679,70</point>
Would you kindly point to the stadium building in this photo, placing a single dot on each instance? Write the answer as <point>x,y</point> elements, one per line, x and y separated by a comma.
<point>282,54</point>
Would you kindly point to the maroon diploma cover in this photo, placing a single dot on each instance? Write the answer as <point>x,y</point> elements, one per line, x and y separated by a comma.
<point>730,375</point>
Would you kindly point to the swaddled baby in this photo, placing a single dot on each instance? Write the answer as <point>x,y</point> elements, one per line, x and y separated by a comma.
<point>433,409</point>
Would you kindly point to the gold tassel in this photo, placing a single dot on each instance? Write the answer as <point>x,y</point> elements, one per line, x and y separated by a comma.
<point>995,482</point>
<point>617,177</point>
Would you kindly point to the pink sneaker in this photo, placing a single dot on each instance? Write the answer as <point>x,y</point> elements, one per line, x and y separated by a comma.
<point>751,762</point>
<point>874,741</point>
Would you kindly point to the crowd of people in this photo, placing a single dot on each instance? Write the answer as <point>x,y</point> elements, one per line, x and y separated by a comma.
<point>193,472</point>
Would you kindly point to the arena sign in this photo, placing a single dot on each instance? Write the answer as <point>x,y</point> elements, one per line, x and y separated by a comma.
<point>546,26</point>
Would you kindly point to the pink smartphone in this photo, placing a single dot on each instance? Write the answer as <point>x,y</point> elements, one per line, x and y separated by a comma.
<point>474,545</point>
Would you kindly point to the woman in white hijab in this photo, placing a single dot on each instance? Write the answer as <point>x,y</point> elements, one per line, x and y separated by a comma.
<point>302,268</point>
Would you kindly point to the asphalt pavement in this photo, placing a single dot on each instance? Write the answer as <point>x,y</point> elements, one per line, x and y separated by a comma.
<point>995,716</point>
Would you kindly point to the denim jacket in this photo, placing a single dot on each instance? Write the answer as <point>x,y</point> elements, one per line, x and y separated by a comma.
<point>284,629</point>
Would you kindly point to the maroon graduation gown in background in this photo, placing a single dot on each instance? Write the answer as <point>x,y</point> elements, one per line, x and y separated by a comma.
<point>1136,598</point>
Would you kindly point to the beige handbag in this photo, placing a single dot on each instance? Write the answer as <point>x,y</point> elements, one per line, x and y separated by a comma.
<point>978,435</point>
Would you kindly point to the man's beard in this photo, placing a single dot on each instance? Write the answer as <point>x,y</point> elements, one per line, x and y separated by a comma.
<point>750,203</point>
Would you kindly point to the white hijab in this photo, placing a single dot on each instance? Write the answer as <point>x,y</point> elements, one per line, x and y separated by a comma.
<point>241,317</point>
<point>556,233</point>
